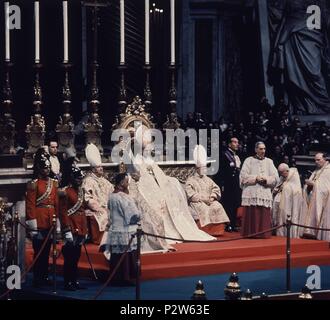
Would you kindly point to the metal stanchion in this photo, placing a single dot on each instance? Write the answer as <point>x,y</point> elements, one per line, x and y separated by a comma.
<point>138,263</point>
<point>288,253</point>
<point>15,235</point>
<point>199,293</point>
<point>247,295</point>
<point>233,289</point>
<point>54,254</point>
<point>115,269</point>
<point>45,241</point>
<point>306,293</point>
<point>3,245</point>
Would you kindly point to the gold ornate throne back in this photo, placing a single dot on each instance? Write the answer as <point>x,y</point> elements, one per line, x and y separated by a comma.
<point>134,112</point>
<point>133,116</point>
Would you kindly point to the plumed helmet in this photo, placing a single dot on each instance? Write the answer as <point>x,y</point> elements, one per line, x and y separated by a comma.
<point>41,159</point>
<point>70,172</point>
<point>76,173</point>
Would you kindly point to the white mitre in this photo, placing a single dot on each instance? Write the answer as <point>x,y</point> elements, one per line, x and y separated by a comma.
<point>200,156</point>
<point>93,155</point>
<point>143,135</point>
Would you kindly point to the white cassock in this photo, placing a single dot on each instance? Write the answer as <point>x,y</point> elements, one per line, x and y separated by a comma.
<point>318,201</point>
<point>289,201</point>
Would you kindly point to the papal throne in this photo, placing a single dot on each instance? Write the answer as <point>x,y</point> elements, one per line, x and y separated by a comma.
<point>136,112</point>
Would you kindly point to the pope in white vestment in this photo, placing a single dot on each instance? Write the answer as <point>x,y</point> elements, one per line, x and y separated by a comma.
<point>162,201</point>
<point>166,195</point>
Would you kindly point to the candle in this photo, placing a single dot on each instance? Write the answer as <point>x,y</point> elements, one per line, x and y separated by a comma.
<point>147,32</point>
<point>37,31</point>
<point>122,32</point>
<point>66,32</point>
<point>7,31</point>
<point>172,32</point>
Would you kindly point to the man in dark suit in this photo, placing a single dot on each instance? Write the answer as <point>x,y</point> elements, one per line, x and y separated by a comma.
<point>229,174</point>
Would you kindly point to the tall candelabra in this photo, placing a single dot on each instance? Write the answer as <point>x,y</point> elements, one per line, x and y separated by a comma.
<point>173,91</point>
<point>122,100</point>
<point>3,243</point>
<point>147,88</point>
<point>7,123</point>
<point>93,127</point>
<point>65,126</point>
<point>36,129</point>
<point>172,121</point>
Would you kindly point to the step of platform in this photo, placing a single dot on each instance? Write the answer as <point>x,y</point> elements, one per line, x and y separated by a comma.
<point>216,266</point>
<point>210,258</point>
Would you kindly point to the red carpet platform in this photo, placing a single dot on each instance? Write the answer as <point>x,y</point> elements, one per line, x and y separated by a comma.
<point>213,258</point>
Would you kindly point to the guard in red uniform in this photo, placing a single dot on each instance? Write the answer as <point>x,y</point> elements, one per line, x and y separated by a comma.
<point>74,227</point>
<point>41,207</point>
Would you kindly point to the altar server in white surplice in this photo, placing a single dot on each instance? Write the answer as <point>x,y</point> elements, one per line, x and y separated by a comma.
<point>257,179</point>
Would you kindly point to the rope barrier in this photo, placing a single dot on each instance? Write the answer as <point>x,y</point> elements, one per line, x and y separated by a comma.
<point>114,270</point>
<point>174,239</point>
<point>33,262</point>
<point>309,227</point>
<point>215,241</point>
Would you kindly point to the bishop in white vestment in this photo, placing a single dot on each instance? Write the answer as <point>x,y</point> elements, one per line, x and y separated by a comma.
<point>317,195</point>
<point>288,201</point>
<point>203,196</point>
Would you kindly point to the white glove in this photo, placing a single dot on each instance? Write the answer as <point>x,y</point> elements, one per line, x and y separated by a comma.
<point>32,224</point>
<point>33,234</point>
<point>58,225</point>
<point>68,236</point>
